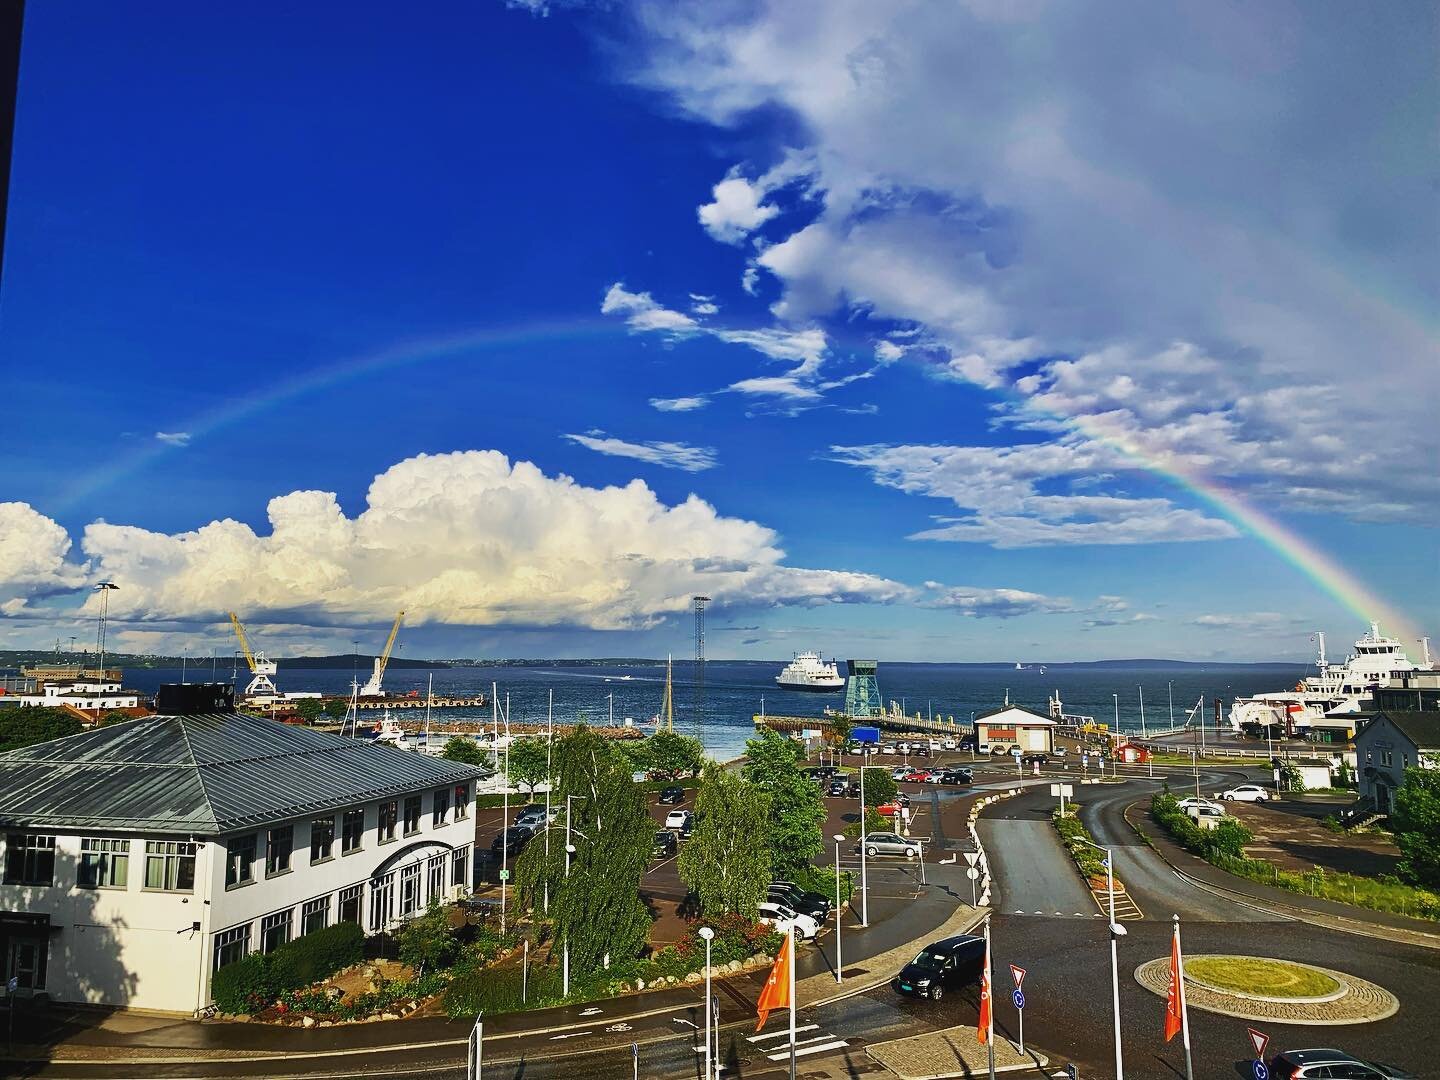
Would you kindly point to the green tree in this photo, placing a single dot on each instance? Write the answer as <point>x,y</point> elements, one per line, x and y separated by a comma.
<point>840,727</point>
<point>309,709</point>
<point>1416,821</point>
<point>527,763</point>
<point>336,708</point>
<point>467,751</point>
<point>797,811</point>
<point>726,864</point>
<point>21,727</point>
<point>880,787</point>
<point>113,716</point>
<point>427,941</point>
<point>673,755</point>
<point>596,908</point>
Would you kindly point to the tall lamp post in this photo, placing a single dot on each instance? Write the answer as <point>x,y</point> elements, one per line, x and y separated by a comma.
<point>864,881</point>
<point>105,588</point>
<point>565,954</point>
<point>1116,933</point>
<point>838,962</point>
<point>709,935</point>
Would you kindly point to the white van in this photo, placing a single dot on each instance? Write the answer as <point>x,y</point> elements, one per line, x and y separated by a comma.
<point>982,748</point>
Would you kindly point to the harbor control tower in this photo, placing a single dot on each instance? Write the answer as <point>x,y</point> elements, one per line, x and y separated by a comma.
<point>862,690</point>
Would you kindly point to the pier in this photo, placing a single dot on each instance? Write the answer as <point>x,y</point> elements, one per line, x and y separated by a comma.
<point>896,722</point>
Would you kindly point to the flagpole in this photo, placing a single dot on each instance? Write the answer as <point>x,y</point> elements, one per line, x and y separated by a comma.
<point>1184,1010</point>
<point>990,1012</point>
<point>790,974</point>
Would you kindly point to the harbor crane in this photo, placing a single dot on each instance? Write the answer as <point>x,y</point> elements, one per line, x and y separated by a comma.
<point>261,668</point>
<point>372,688</point>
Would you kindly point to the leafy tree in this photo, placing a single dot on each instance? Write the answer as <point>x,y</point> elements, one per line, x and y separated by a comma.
<point>796,809</point>
<point>336,708</point>
<point>527,764</point>
<point>467,751</point>
<point>726,864</point>
<point>1416,821</point>
<point>672,755</point>
<point>596,908</point>
<point>21,727</point>
<point>113,716</point>
<point>840,727</point>
<point>427,941</point>
<point>309,709</point>
<point>880,787</point>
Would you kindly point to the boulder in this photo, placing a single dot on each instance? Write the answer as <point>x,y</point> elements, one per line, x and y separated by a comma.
<point>308,1021</point>
<point>694,977</point>
<point>389,1016</point>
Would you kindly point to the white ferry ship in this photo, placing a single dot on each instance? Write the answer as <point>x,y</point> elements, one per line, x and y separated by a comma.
<point>1329,699</point>
<point>808,672</point>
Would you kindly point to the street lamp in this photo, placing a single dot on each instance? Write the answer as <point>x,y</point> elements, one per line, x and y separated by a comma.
<point>864,880</point>
<point>565,954</point>
<point>838,963</point>
<point>709,935</point>
<point>105,588</point>
<point>1116,933</point>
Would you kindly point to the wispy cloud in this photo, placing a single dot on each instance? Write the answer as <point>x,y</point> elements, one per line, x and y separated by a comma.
<point>679,404</point>
<point>669,455</point>
<point>173,438</point>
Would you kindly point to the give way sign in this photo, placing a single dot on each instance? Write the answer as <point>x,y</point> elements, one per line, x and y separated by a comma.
<point>1018,974</point>
<point>1259,1040</point>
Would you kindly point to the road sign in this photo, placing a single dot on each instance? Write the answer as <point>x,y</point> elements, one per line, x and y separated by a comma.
<point>1019,998</point>
<point>1071,1072</point>
<point>1018,974</point>
<point>1015,753</point>
<point>1062,789</point>
<point>972,873</point>
<point>1259,1041</point>
<point>504,875</point>
<point>972,857</point>
<point>1259,1071</point>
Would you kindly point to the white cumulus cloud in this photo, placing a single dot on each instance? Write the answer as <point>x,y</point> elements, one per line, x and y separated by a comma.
<point>34,557</point>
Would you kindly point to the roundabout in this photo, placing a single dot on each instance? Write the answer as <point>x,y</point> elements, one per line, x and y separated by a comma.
<point>1261,988</point>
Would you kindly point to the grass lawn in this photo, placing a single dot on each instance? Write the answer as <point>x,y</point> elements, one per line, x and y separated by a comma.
<point>1256,975</point>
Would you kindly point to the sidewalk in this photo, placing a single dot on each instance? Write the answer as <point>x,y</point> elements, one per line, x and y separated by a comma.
<point>1311,909</point>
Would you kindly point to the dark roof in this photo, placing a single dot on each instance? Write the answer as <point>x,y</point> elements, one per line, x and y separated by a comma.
<point>1421,728</point>
<point>204,775</point>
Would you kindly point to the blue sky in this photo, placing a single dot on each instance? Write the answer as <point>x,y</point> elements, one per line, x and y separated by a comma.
<point>896,329</point>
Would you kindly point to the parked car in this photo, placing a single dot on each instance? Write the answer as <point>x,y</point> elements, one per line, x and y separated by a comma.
<point>814,904</point>
<point>967,744</point>
<point>887,748</point>
<point>921,750</point>
<point>665,844</point>
<point>672,794</point>
<point>998,749</point>
<point>1035,759</point>
<point>935,776</point>
<point>916,776</point>
<point>982,747</point>
<point>1186,803</point>
<point>514,838</point>
<point>948,964</point>
<point>1303,1064</point>
<point>1060,751</point>
<point>1246,793</point>
<point>534,817</point>
<point>899,772</point>
<point>957,776</point>
<point>678,819</point>
<point>839,787</point>
<point>1204,811</point>
<point>882,843</point>
<point>782,918</point>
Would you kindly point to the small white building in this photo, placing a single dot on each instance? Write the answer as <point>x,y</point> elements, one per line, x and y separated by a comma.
<point>140,857</point>
<point>1014,725</point>
<point>90,694</point>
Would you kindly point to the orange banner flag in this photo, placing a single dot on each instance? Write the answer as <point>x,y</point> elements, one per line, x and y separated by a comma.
<point>776,994</point>
<point>1173,1004</point>
<point>982,1026</point>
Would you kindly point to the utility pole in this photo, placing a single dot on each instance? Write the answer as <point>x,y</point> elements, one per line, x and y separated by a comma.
<point>105,588</point>
<point>698,603</point>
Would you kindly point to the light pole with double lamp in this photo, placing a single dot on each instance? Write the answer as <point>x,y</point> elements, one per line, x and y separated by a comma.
<point>1116,933</point>
<point>709,935</point>
<point>839,837</point>
<point>565,945</point>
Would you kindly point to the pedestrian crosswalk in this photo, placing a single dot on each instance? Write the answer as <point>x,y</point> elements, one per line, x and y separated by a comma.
<point>1125,907</point>
<point>809,1039</point>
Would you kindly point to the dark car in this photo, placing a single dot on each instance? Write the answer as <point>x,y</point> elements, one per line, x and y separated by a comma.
<point>920,750</point>
<point>665,844</point>
<point>839,787</point>
<point>967,744</point>
<point>814,904</point>
<point>672,795</point>
<point>1035,759</point>
<point>956,776</point>
<point>1303,1064</point>
<point>513,838</point>
<point>944,965</point>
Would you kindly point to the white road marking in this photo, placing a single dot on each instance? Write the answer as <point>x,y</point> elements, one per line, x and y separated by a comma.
<point>571,1035</point>
<point>784,1033</point>
<point>800,1052</point>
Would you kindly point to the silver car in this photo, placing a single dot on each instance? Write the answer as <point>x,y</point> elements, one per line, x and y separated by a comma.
<point>889,843</point>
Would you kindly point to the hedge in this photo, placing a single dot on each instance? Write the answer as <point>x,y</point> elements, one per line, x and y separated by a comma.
<point>256,980</point>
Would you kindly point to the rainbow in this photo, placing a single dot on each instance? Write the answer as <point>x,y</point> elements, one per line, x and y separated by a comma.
<point>1320,568</point>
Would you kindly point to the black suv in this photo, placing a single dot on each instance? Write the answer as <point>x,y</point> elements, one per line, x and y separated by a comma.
<point>840,786</point>
<point>942,965</point>
<point>514,838</point>
<point>957,776</point>
<point>1031,759</point>
<point>816,905</point>
<point>672,795</point>
<point>665,844</point>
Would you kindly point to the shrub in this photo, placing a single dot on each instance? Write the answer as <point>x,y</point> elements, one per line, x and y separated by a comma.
<point>427,942</point>
<point>243,986</point>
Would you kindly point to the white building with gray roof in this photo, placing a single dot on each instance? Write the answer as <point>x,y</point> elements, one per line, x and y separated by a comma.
<point>140,857</point>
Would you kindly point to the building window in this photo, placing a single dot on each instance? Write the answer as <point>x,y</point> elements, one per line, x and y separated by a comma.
<point>382,902</point>
<point>232,945</point>
<point>104,863</point>
<point>279,844</point>
<point>322,839</point>
<point>462,801</point>
<point>275,930</point>
<point>412,815</point>
<point>315,915</point>
<point>350,901</point>
<point>170,865</point>
<point>389,819</point>
<point>29,859</point>
<point>460,866</point>
<point>239,861</point>
<point>441,801</point>
<point>410,889</point>
<point>435,878</point>
<point>1387,758</point>
<point>352,829</point>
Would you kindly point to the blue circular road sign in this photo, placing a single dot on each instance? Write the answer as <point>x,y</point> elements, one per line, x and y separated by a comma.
<point>1019,998</point>
<point>1259,1071</point>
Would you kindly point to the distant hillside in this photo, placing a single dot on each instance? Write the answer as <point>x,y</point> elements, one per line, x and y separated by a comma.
<point>14,658</point>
